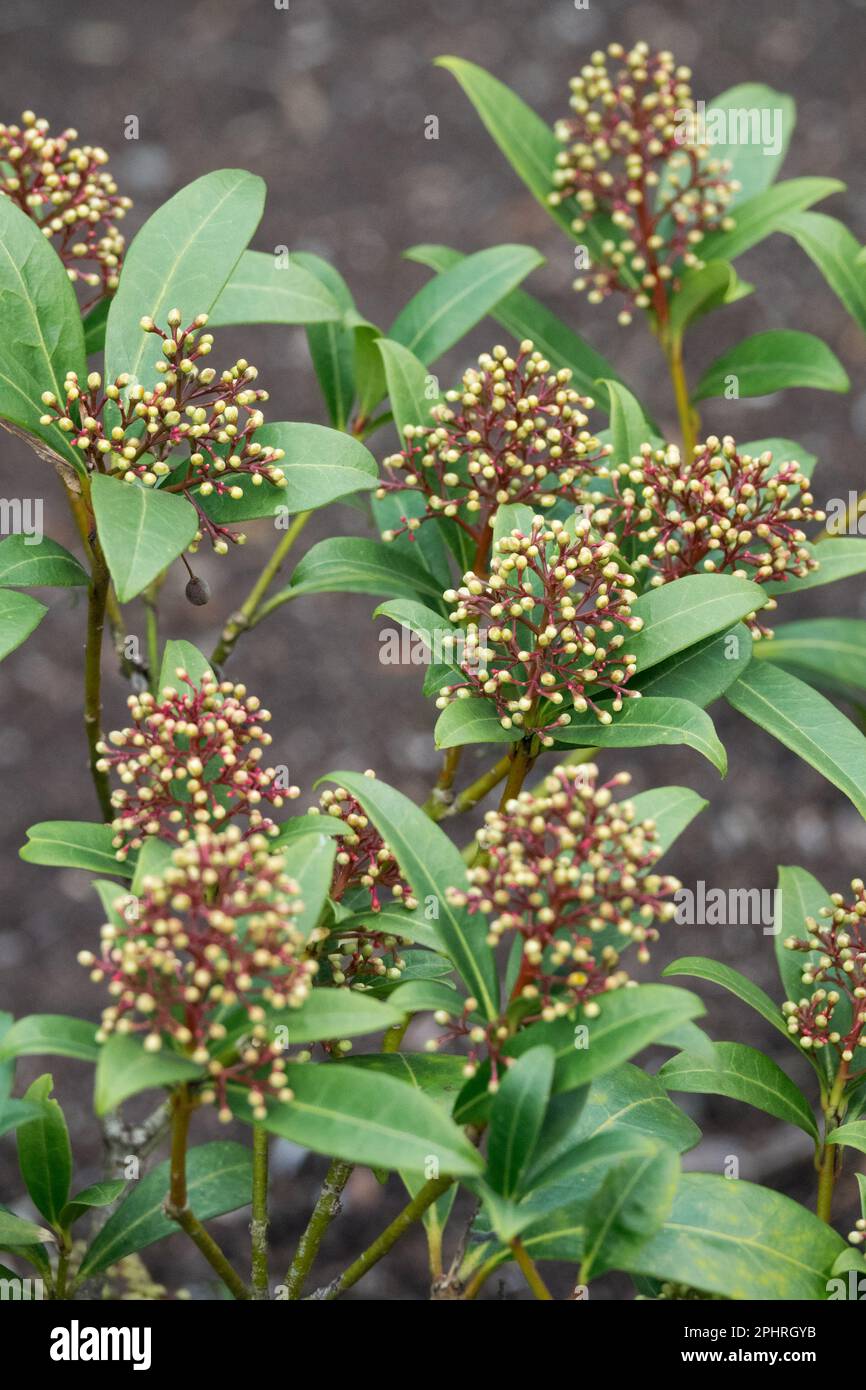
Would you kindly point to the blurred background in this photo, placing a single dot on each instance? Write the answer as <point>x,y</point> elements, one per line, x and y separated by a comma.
<point>327,100</point>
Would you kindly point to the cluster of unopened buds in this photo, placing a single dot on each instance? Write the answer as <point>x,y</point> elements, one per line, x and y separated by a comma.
<point>547,628</point>
<point>834,1013</point>
<point>720,510</point>
<point>134,432</point>
<point>560,866</point>
<point>514,431</point>
<point>213,935</point>
<point>66,189</point>
<point>191,757</point>
<point>632,161</point>
<point>363,859</point>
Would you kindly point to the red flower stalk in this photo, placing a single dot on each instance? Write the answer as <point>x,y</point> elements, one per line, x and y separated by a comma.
<point>514,431</point>
<point>363,859</point>
<point>214,419</point>
<point>211,937</point>
<point>546,630</point>
<point>67,191</point>
<point>718,511</point>
<point>651,214</point>
<point>834,1014</point>
<point>190,757</point>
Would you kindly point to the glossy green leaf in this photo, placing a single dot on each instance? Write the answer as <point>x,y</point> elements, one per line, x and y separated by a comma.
<point>335,1013</point>
<point>767,212</point>
<point>807,723</point>
<point>759,123</point>
<point>332,345</point>
<point>702,673</point>
<point>421,996</point>
<point>94,327</point>
<point>633,1201</point>
<point>14,1113</point>
<point>783,451</point>
<point>141,531</point>
<point>702,289</point>
<point>50,1035</point>
<point>46,564</point>
<point>412,390</point>
<point>355,565</point>
<point>801,896</point>
<point>309,860</point>
<point>772,361</point>
<point>742,1073</point>
<point>44,1153</point>
<point>367,1118</point>
<point>700,968</point>
<point>262,289</point>
<point>472,721</point>
<point>628,427</point>
<point>647,723</point>
<point>678,615</point>
<point>431,864</point>
<point>182,656</point>
<point>672,808</point>
<point>181,259</point>
<point>830,652</point>
<point>438,1074</point>
<point>42,336</point>
<point>15,1232</point>
<point>853,1135</point>
<point>99,1194</point>
<point>74,844</point>
<point>19,616</point>
<point>300,826</point>
<point>516,1117</point>
<point>123,1069</point>
<point>218,1180</point>
<point>835,252</point>
<point>448,306</point>
<point>838,558</point>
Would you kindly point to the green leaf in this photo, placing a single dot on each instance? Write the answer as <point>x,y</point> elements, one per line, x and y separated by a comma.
<point>218,1180</point>
<point>181,259</point>
<point>702,289</point>
<point>74,844</point>
<point>647,723</point>
<point>701,673</point>
<point>355,565</point>
<point>321,466</point>
<point>438,1074</point>
<point>805,722</point>
<point>19,616</point>
<point>334,1013</point>
<point>300,826</point>
<point>99,1194</point>
<point>332,345</point>
<point>700,968</point>
<point>802,896</point>
<point>629,1098</point>
<point>754,164</point>
<point>853,1135</point>
<point>838,558</point>
<point>629,429</point>
<point>741,1241</point>
<point>472,721</point>
<point>14,1232</point>
<point>438,634</point>
<point>367,1118</point>
<point>16,1112</point>
<point>94,327</point>
<point>50,1035</point>
<point>421,996</point>
<point>672,809</point>
<point>448,306</point>
<point>516,1117</point>
<point>141,531</point>
<point>678,615</point>
<point>830,652</point>
<point>182,656</point>
<point>432,864</point>
<point>633,1201</point>
<point>835,252</point>
<point>742,1073</point>
<point>783,450</point>
<point>260,290</point>
<point>42,335</point>
<point>47,564</point>
<point>309,860</point>
<point>45,1154</point>
<point>768,211</point>
<point>123,1069</point>
<point>772,361</point>
<point>525,317</point>
<point>412,390</point>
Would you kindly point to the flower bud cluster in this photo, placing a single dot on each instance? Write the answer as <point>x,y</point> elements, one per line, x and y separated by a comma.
<point>514,431</point>
<point>215,932</point>
<point>190,757</point>
<point>547,630</point>
<point>363,859</point>
<point>68,192</point>
<point>134,433</point>
<point>834,1013</point>
<point>561,866</point>
<point>632,163</point>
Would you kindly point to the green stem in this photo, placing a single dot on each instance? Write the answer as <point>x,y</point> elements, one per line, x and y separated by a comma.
<point>259,1222</point>
<point>97,596</point>
<point>429,1194</point>
<point>326,1209</point>
<point>529,1271</point>
<point>672,346</point>
<point>439,800</point>
<point>152,629</point>
<point>63,1254</point>
<point>828,1164</point>
<point>251,610</point>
